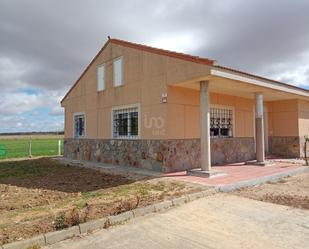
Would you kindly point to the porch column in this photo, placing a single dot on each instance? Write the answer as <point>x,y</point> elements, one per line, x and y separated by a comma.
<point>259,128</point>
<point>205,126</point>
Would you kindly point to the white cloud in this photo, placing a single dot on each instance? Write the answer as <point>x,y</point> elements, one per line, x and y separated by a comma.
<point>13,103</point>
<point>186,42</point>
<point>20,123</point>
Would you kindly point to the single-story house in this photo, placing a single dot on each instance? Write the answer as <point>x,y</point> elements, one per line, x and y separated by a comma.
<point>151,108</point>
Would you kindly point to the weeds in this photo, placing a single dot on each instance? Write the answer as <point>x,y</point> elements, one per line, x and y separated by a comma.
<point>36,246</point>
<point>59,222</point>
<point>127,205</point>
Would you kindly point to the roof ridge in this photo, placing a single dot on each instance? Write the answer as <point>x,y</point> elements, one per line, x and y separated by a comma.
<point>167,52</point>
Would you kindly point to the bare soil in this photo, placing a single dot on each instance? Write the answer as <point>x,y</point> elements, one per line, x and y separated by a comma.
<point>290,191</point>
<point>42,195</point>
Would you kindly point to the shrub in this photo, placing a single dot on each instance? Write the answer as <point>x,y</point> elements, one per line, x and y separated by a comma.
<point>60,221</point>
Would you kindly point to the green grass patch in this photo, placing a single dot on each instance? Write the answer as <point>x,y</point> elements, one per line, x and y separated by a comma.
<point>19,147</point>
<point>93,194</point>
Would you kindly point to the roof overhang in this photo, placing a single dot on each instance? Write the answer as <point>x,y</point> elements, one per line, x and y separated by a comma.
<point>229,82</point>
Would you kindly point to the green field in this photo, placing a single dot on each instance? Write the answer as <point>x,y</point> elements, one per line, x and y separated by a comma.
<point>19,147</point>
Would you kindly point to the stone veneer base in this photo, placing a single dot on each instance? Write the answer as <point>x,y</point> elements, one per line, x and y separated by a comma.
<point>166,155</point>
<point>286,146</point>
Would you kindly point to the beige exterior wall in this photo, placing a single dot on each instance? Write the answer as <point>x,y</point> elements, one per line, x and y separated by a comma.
<point>303,117</point>
<point>145,79</point>
<point>283,118</point>
<point>183,113</point>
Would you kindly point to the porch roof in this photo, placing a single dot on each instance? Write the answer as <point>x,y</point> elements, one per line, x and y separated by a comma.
<point>233,82</point>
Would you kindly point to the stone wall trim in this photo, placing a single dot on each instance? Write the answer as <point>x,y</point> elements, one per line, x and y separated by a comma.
<point>166,155</point>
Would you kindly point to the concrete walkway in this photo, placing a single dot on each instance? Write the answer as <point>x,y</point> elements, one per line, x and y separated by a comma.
<point>236,173</point>
<point>219,221</point>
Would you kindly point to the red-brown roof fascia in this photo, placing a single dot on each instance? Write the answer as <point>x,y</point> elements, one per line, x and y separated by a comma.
<point>260,77</point>
<point>164,52</point>
<point>86,69</point>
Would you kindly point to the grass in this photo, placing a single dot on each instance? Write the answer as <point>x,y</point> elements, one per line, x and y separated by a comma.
<point>19,147</point>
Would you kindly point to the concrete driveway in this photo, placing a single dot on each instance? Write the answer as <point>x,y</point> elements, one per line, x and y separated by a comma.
<point>219,221</point>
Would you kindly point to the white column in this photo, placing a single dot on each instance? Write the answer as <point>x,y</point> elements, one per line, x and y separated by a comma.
<point>259,128</point>
<point>205,126</point>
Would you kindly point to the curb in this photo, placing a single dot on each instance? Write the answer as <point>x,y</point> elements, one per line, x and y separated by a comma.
<point>84,228</point>
<point>261,180</point>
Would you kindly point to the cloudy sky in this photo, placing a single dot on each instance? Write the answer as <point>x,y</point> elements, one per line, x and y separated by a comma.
<point>45,44</point>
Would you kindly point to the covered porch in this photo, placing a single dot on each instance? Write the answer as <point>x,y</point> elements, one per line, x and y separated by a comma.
<point>263,94</point>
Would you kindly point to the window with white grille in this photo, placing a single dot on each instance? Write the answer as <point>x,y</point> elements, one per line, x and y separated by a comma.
<point>79,125</point>
<point>125,122</point>
<point>221,122</point>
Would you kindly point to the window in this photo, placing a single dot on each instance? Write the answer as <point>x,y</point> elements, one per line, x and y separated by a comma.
<point>117,70</point>
<point>79,125</point>
<point>101,78</point>
<point>221,122</point>
<point>125,123</point>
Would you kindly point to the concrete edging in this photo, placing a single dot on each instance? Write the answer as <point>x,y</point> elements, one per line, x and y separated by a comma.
<point>84,228</point>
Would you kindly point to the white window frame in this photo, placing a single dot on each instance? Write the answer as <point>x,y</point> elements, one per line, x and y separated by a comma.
<point>114,72</point>
<point>99,78</point>
<point>85,126</point>
<point>225,107</point>
<point>115,108</point>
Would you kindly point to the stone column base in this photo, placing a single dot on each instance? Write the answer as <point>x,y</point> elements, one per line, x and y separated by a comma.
<point>205,173</point>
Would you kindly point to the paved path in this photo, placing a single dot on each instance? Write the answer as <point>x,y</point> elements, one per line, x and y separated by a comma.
<point>219,221</point>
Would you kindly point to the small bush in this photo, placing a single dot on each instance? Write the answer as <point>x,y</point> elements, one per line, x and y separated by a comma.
<point>72,217</point>
<point>127,205</point>
<point>60,221</point>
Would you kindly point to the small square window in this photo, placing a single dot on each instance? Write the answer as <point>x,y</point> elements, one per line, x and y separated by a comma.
<point>221,122</point>
<point>118,71</point>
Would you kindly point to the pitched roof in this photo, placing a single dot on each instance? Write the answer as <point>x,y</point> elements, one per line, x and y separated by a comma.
<point>182,56</point>
<point>165,52</point>
<point>173,54</point>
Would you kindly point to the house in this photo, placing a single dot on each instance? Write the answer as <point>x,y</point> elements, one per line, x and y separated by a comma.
<point>150,108</point>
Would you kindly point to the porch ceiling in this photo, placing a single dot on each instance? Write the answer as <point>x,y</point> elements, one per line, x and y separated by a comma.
<point>239,88</point>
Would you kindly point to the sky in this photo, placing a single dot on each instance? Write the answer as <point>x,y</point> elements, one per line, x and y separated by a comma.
<point>46,44</point>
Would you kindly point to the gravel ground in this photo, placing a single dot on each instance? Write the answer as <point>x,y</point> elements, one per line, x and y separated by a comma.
<point>291,191</point>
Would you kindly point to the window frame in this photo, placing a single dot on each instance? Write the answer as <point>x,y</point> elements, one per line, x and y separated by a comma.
<point>116,108</point>
<point>114,71</point>
<point>224,107</point>
<point>85,126</point>
<point>104,81</point>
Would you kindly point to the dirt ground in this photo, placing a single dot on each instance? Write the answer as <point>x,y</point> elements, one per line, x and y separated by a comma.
<point>291,191</point>
<point>41,195</point>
